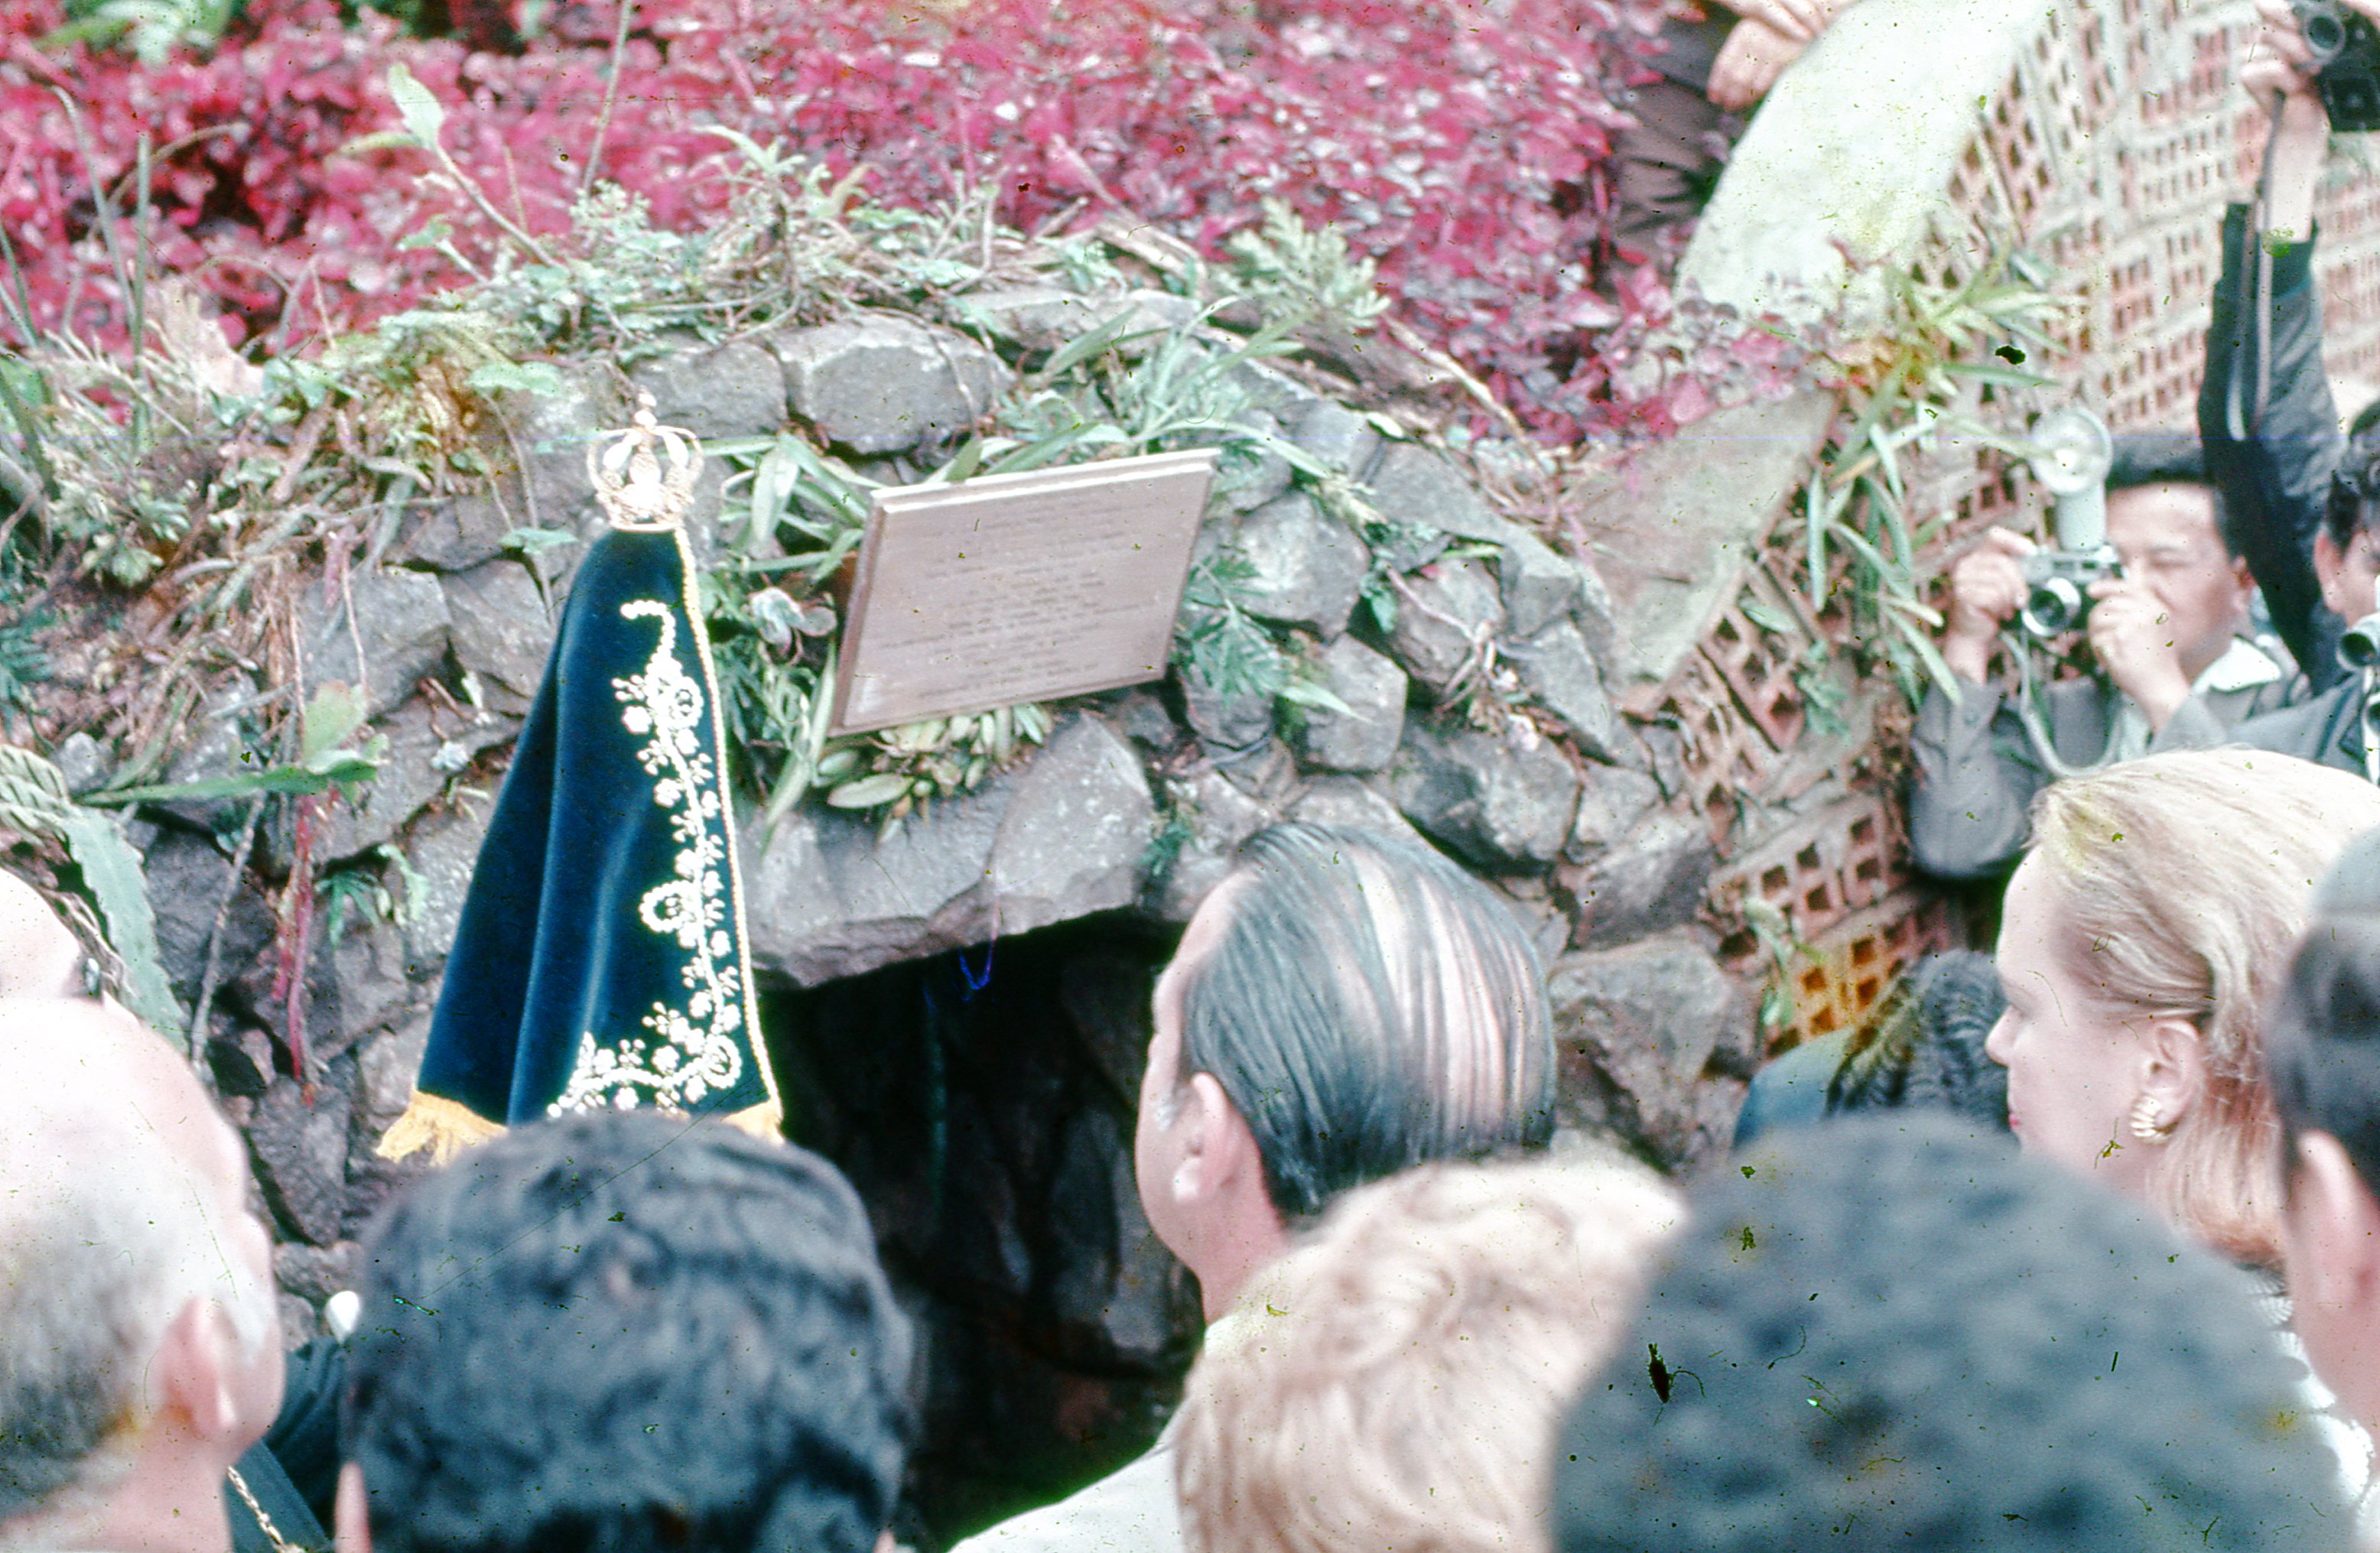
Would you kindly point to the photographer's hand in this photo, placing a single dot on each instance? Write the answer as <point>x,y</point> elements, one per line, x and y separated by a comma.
<point>1749,63</point>
<point>2279,63</point>
<point>1798,20</point>
<point>2132,635</point>
<point>1988,588</point>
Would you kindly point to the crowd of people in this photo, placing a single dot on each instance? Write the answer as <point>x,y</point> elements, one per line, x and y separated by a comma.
<point>2077,1245</point>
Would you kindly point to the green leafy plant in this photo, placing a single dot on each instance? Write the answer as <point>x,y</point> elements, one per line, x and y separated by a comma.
<point>1301,276</point>
<point>1907,387</point>
<point>34,802</point>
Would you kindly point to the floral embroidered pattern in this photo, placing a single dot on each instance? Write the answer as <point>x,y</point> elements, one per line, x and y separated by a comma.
<point>692,1052</point>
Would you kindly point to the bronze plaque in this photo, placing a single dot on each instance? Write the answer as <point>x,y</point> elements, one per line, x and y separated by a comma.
<point>1018,588</point>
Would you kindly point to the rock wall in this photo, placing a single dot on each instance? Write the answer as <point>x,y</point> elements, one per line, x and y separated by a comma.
<point>990,1131</point>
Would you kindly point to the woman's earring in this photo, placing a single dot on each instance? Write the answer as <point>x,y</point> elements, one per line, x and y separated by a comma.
<point>2148,1121</point>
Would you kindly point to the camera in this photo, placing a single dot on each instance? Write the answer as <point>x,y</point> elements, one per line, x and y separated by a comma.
<point>2346,50</point>
<point>2359,649</point>
<point>2071,454</point>
<point>2057,597</point>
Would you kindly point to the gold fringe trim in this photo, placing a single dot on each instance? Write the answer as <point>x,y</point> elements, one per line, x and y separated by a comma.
<point>444,1127</point>
<point>765,1120</point>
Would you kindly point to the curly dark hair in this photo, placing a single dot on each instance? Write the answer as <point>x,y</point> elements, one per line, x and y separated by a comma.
<point>1895,1332</point>
<point>617,1332</point>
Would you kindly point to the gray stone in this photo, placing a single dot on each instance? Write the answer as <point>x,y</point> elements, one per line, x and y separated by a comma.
<point>240,1060</point>
<point>1227,722</point>
<point>220,748</point>
<point>1365,737</point>
<point>386,1066</point>
<point>1440,618</point>
<point>1531,903</point>
<point>888,384</point>
<point>407,782</point>
<point>1337,437</point>
<point>1666,747</point>
<point>1539,585</point>
<point>1347,803</point>
<point>451,532</point>
<point>1113,1275</point>
<point>502,632</point>
<point>1140,715</point>
<point>1253,472</point>
<point>1594,613</point>
<point>1681,524</point>
<point>187,879</point>
<point>735,390</point>
<point>400,621</point>
<point>1845,171</point>
<point>1609,807</point>
<point>314,1273</point>
<point>543,483</point>
<point>1410,484</point>
<point>1308,568</point>
<point>444,850</point>
<point>299,1135</point>
<point>1499,802</point>
<point>1652,879</point>
<point>81,762</point>
<point>1105,995</point>
<point>1047,318</point>
<point>300,1323</point>
<point>1636,1031</point>
<point>1560,676</point>
<point>1065,835</point>
<point>1221,815</point>
<point>368,974</point>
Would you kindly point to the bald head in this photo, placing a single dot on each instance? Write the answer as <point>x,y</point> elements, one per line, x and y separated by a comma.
<point>37,954</point>
<point>135,1287</point>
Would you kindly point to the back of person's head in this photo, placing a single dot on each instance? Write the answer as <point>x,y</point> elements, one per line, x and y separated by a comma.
<point>2324,1053</point>
<point>121,1219</point>
<point>616,1332</point>
<point>1367,1005</point>
<point>39,958</point>
<point>1897,1334</point>
<point>1396,1381</point>
<point>2354,503</point>
<point>1922,1046</point>
<point>2183,882</point>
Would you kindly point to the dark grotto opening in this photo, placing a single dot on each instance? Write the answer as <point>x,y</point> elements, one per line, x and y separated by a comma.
<point>982,1102</point>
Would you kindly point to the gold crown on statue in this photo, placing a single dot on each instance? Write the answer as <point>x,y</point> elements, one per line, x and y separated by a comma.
<point>644,476</point>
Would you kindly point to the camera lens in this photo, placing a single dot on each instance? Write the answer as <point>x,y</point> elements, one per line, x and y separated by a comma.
<point>2326,35</point>
<point>2359,648</point>
<point>2054,608</point>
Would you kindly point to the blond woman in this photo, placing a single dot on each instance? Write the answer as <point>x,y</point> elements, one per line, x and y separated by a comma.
<point>1395,1382</point>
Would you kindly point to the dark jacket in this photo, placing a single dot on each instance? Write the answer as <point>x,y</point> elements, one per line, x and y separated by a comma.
<point>2274,471</point>
<point>2328,729</point>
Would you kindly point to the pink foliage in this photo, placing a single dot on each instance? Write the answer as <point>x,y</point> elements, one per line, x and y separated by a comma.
<point>1463,146</point>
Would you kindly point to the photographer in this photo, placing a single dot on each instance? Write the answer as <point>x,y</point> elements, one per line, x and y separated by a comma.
<point>2306,510</point>
<point>2173,670</point>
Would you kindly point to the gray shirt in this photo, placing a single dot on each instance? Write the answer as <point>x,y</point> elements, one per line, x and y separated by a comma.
<point>1977,771</point>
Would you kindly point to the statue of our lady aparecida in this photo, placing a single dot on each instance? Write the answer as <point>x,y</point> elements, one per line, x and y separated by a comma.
<point>601,962</point>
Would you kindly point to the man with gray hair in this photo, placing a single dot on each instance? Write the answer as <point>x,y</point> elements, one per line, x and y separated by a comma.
<point>1342,1007</point>
<point>139,1342</point>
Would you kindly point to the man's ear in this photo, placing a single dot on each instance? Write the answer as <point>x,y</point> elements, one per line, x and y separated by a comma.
<point>350,1513</point>
<point>2336,1219</point>
<point>2330,571</point>
<point>2174,1068</point>
<point>1214,1143</point>
<point>195,1378</point>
